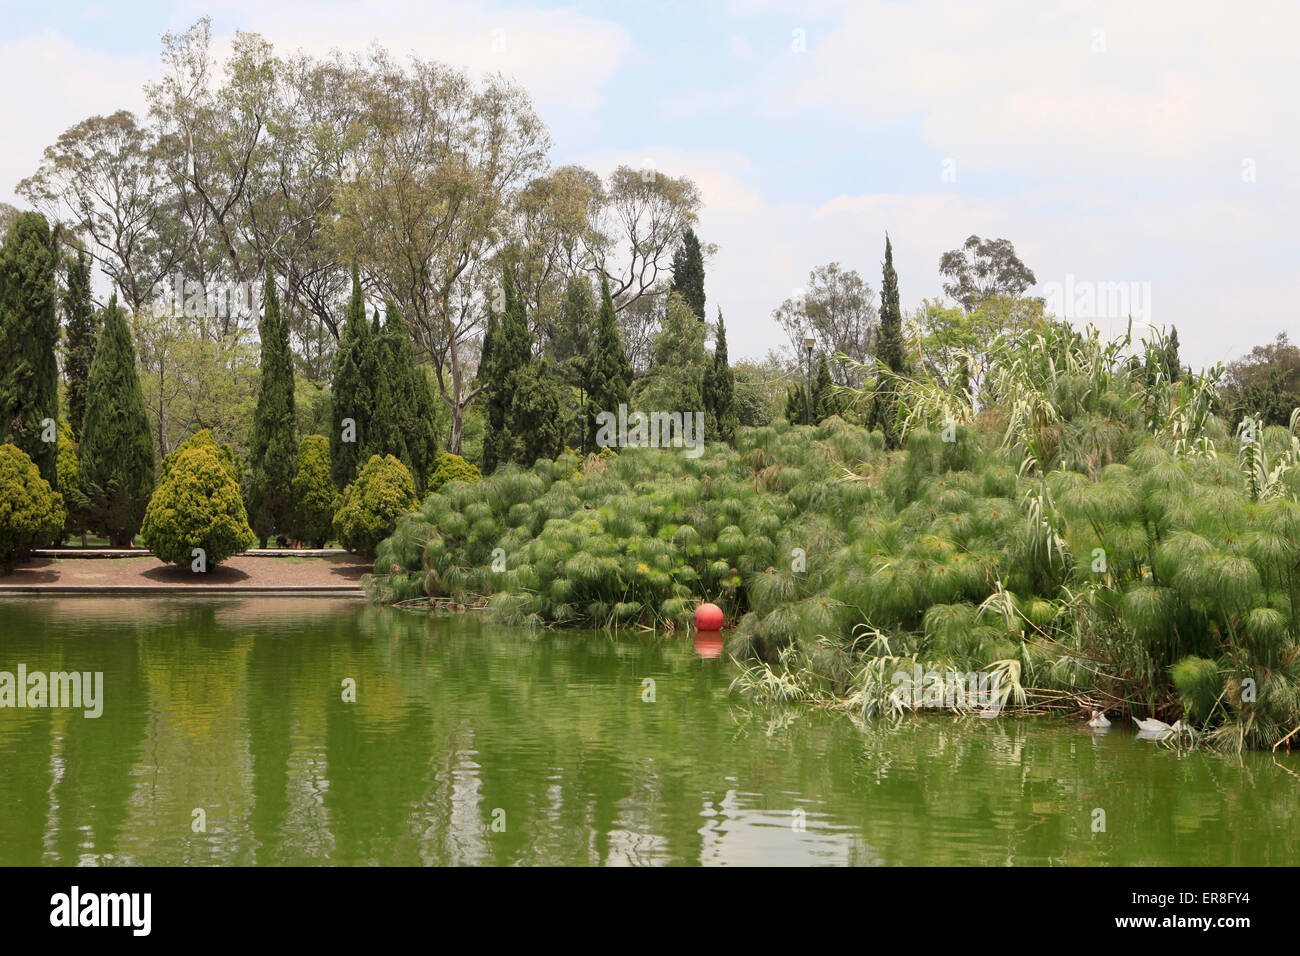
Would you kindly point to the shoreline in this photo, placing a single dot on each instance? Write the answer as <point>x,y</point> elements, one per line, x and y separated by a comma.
<point>136,572</point>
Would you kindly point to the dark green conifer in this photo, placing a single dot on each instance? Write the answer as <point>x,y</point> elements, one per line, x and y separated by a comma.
<point>29,329</point>
<point>81,325</point>
<point>353,399</point>
<point>720,389</point>
<point>609,373</point>
<point>274,455</point>
<point>117,456</point>
<point>688,273</point>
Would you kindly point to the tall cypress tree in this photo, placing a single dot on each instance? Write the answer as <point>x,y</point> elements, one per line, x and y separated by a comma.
<point>425,431</point>
<point>720,389</point>
<point>534,419</point>
<point>823,399</point>
<point>688,272</point>
<point>609,373</point>
<point>274,457</point>
<point>29,329</point>
<point>796,408</point>
<point>351,389</point>
<point>403,418</point>
<point>385,435</point>
<point>81,325</point>
<point>571,345</point>
<point>511,350</point>
<point>1173,363</point>
<point>117,460</point>
<point>890,349</point>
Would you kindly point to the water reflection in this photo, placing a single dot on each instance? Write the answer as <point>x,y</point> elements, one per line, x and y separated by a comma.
<point>469,744</point>
<point>708,644</point>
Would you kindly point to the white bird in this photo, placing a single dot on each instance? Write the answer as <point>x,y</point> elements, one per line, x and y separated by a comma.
<point>1178,726</point>
<point>1099,719</point>
<point>1149,725</point>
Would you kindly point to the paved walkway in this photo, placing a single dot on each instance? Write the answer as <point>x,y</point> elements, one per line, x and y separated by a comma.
<point>337,572</point>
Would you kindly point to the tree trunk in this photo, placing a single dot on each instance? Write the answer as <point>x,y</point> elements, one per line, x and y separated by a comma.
<point>457,426</point>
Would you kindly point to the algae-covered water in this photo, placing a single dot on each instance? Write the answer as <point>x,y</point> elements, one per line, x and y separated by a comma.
<point>228,735</point>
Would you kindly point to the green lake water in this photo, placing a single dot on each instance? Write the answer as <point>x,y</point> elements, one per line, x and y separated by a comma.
<point>471,744</point>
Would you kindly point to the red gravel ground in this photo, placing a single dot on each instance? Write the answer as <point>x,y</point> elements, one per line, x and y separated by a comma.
<point>343,570</point>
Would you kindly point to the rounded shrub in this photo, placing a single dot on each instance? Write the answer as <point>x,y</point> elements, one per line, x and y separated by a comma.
<point>313,492</point>
<point>202,439</point>
<point>452,468</point>
<point>369,508</point>
<point>197,505</point>
<point>31,512</point>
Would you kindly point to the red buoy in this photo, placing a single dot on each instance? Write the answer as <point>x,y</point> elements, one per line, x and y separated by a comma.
<point>709,617</point>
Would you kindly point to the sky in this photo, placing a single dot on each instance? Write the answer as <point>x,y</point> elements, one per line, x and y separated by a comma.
<point>1141,157</point>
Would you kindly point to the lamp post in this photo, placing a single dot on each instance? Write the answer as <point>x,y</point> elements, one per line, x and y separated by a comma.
<point>808,343</point>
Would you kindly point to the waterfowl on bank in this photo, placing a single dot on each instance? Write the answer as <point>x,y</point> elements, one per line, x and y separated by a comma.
<point>1099,719</point>
<point>1149,725</point>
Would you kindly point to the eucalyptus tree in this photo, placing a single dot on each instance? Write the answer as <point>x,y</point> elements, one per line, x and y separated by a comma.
<point>554,240</point>
<point>644,217</point>
<point>439,161</point>
<point>213,140</point>
<point>984,269</point>
<point>289,210</point>
<point>105,180</point>
<point>838,307</point>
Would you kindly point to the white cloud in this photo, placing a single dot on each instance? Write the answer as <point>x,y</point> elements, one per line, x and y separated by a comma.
<point>1111,87</point>
<point>61,84</point>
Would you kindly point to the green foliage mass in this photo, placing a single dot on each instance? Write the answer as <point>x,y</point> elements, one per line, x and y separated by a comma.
<point>202,439</point>
<point>675,382</point>
<point>31,512</point>
<point>74,499</point>
<point>368,510</point>
<point>197,505</point>
<point>452,468</point>
<point>313,492</point>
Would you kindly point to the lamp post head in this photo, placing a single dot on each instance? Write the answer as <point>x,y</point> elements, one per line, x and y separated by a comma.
<point>809,342</point>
